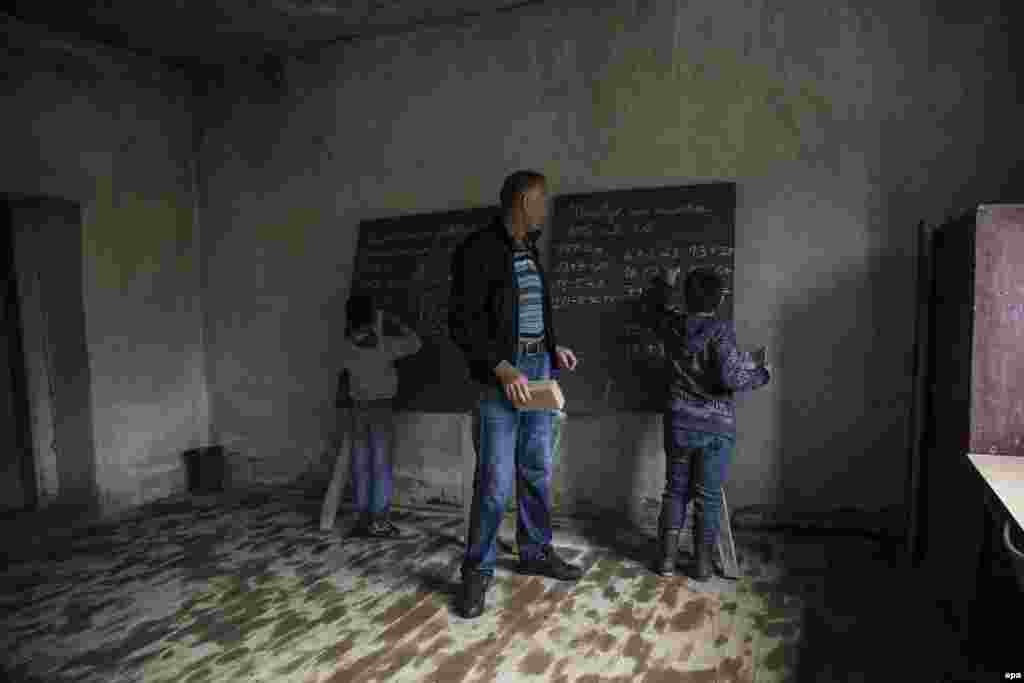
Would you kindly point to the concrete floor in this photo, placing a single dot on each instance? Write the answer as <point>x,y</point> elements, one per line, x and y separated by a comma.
<point>248,588</point>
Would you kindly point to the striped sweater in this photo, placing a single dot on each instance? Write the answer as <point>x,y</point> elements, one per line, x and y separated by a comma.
<point>531,295</point>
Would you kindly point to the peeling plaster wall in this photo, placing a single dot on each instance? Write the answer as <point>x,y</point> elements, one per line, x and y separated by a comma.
<point>843,123</point>
<point>114,134</point>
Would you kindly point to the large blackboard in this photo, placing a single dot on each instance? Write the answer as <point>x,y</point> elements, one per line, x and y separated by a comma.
<point>604,249</point>
<point>404,262</point>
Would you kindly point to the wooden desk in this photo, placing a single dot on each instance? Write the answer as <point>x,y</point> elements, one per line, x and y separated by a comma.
<point>1004,476</point>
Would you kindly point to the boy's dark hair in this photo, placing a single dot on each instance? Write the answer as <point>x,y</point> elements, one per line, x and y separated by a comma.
<point>517,184</point>
<point>703,290</point>
<point>358,312</point>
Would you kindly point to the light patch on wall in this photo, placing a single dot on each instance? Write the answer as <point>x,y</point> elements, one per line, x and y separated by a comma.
<point>129,237</point>
<point>292,232</point>
<point>475,193</point>
<point>397,200</point>
<point>552,170</point>
<point>151,432</point>
<point>480,190</point>
<point>716,115</point>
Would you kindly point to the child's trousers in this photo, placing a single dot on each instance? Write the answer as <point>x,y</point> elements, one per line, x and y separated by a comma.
<point>704,456</point>
<point>372,438</point>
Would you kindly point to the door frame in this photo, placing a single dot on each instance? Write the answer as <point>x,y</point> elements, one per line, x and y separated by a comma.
<point>47,242</point>
<point>17,360</point>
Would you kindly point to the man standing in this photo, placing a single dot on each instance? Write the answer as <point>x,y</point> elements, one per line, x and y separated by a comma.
<point>500,317</point>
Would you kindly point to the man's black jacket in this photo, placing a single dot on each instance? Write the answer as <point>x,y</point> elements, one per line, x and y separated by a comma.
<point>483,305</point>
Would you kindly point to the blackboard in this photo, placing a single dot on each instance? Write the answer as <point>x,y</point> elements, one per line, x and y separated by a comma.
<point>605,247</point>
<point>404,263</point>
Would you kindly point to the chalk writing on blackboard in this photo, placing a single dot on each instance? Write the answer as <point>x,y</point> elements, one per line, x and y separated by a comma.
<point>633,330</point>
<point>458,229</point>
<point>606,249</point>
<point>405,263</point>
<point>630,272</point>
<point>584,300</point>
<point>591,230</point>
<point>571,267</point>
<point>650,349</point>
<point>649,253</point>
<point>581,231</point>
<point>584,282</point>
<point>573,248</point>
<point>608,212</point>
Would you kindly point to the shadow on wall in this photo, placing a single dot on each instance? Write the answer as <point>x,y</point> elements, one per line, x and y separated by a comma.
<point>843,389</point>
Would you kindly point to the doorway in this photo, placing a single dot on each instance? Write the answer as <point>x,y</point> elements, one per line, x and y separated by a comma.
<point>49,451</point>
<point>18,489</point>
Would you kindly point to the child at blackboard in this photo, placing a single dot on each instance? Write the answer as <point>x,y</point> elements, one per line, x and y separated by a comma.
<point>369,380</point>
<point>705,369</point>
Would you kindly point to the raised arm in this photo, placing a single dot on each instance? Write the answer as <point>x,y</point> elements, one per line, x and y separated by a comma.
<point>656,300</point>
<point>408,343</point>
<point>737,373</point>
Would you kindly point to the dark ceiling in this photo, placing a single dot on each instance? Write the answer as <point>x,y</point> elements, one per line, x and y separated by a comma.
<point>226,31</point>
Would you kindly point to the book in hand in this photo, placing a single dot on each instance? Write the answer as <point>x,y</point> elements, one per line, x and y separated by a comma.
<point>545,394</point>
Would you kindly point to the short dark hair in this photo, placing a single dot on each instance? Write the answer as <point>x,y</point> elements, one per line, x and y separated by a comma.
<point>703,290</point>
<point>358,311</point>
<point>517,184</point>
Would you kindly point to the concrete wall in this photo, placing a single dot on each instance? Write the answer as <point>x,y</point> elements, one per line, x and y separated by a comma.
<point>113,134</point>
<point>843,123</point>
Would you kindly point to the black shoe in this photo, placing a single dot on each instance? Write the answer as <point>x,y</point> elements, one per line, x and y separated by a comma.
<point>474,589</point>
<point>703,569</point>
<point>547,563</point>
<point>383,529</point>
<point>668,547</point>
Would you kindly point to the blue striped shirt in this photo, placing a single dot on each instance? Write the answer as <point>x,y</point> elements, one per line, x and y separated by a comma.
<point>531,295</point>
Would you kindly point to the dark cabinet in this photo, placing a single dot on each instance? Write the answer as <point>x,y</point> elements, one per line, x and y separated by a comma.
<point>975,399</point>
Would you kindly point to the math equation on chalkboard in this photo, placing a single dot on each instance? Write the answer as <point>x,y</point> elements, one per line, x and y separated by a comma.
<point>404,262</point>
<point>612,277</point>
<point>606,248</point>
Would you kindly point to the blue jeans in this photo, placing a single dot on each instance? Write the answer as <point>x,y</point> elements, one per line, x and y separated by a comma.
<point>511,444</point>
<point>372,426</point>
<point>708,455</point>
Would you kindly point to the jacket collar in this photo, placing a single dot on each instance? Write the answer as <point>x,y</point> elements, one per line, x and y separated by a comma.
<point>498,226</point>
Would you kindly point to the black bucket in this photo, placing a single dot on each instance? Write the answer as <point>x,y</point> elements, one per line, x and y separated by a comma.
<point>205,469</point>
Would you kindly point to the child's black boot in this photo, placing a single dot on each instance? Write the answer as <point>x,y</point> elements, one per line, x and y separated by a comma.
<point>381,527</point>
<point>668,548</point>
<point>703,568</point>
